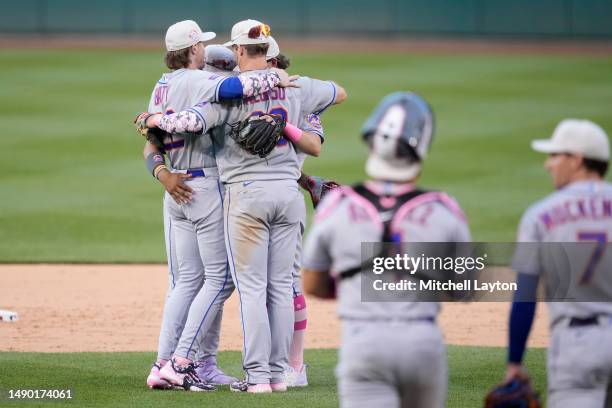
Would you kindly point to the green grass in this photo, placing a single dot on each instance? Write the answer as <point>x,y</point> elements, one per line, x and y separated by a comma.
<point>74,187</point>
<point>117,379</point>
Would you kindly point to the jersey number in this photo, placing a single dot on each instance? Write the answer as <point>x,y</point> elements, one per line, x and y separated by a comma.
<point>278,111</point>
<point>602,239</point>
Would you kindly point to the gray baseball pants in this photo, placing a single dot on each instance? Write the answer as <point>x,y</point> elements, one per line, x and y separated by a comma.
<point>195,249</point>
<point>392,364</point>
<point>262,221</point>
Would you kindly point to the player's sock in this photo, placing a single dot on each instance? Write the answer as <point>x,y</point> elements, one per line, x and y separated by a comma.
<point>296,352</point>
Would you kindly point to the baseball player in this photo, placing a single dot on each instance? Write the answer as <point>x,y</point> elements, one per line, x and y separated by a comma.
<point>392,354</point>
<point>579,356</point>
<point>263,206</point>
<point>296,373</point>
<point>193,228</point>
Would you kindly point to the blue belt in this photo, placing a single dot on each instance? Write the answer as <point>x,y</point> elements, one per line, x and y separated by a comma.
<point>196,173</point>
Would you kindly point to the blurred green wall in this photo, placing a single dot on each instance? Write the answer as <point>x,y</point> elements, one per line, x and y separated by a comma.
<point>531,18</point>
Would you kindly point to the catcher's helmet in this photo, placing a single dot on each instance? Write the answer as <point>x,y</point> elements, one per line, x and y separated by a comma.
<point>399,133</point>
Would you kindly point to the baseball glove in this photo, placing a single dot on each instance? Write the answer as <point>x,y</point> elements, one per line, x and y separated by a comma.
<point>258,135</point>
<point>516,393</point>
<point>155,136</point>
<point>317,187</point>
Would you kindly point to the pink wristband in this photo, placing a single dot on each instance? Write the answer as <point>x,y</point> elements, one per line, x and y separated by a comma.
<point>293,133</point>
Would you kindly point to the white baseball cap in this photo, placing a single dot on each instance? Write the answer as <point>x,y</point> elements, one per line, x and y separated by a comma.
<point>184,34</point>
<point>248,32</point>
<point>577,136</point>
<point>273,48</point>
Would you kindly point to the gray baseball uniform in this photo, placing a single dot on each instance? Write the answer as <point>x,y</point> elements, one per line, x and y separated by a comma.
<point>263,208</point>
<point>392,354</point>
<point>308,123</point>
<point>579,358</point>
<point>194,237</point>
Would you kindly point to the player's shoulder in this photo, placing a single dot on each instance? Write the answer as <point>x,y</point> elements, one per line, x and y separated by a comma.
<point>332,204</point>
<point>532,213</point>
<point>304,80</point>
<point>440,201</point>
<point>201,75</point>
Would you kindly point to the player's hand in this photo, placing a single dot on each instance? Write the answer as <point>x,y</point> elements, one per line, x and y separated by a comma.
<point>145,121</point>
<point>175,186</point>
<point>286,80</point>
<point>516,371</point>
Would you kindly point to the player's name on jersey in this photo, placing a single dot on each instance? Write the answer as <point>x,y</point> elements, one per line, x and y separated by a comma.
<point>434,285</point>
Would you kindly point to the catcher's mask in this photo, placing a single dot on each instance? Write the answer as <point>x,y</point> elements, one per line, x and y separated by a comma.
<point>399,133</point>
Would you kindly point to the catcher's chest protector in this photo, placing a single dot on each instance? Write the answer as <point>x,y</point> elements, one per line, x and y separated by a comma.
<point>388,207</point>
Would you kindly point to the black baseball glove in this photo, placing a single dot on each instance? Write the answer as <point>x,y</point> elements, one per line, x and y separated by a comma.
<point>155,136</point>
<point>258,135</point>
<point>317,187</point>
<point>516,393</point>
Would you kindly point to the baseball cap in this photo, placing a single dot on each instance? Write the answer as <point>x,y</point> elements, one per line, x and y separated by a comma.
<point>219,58</point>
<point>249,32</point>
<point>577,136</point>
<point>184,34</point>
<point>273,48</point>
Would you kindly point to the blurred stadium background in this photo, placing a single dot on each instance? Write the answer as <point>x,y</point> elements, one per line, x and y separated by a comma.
<point>498,73</point>
<point>525,18</point>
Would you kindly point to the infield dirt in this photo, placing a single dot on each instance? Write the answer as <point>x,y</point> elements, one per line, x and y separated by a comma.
<point>79,308</point>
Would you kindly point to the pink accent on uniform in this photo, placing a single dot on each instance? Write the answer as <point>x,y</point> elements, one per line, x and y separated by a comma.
<point>293,133</point>
<point>443,198</point>
<point>330,202</point>
<point>388,202</point>
<point>366,205</point>
<point>300,325</point>
<point>296,350</point>
<point>299,303</point>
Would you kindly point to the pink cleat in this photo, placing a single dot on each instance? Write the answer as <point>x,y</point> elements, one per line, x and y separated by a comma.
<point>279,387</point>
<point>184,377</point>
<point>154,381</point>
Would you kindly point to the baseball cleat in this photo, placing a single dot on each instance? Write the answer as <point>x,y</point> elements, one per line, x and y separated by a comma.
<point>243,386</point>
<point>294,378</point>
<point>184,377</point>
<point>154,381</point>
<point>279,387</point>
<point>210,373</point>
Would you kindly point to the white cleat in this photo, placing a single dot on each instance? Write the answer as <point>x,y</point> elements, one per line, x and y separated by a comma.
<point>294,378</point>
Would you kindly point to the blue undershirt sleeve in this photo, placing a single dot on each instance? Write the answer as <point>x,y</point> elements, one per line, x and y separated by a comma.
<point>230,88</point>
<point>521,316</point>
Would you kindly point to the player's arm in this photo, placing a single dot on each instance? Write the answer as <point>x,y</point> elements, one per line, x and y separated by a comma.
<point>308,142</point>
<point>198,119</point>
<point>526,261</point>
<point>172,182</point>
<point>249,84</point>
<point>520,322</point>
<point>317,279</point>
<point>318,95</point>
<point>319,283</point>
<point>341,94</point>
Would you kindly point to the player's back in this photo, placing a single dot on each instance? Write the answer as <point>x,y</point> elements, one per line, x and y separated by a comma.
<point>347,220</point>
<point>580,216</point>
<point>237,165</point>
<point>180,90</point>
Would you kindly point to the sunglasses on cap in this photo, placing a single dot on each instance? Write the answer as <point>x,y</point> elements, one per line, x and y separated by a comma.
<point>257,31</point>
